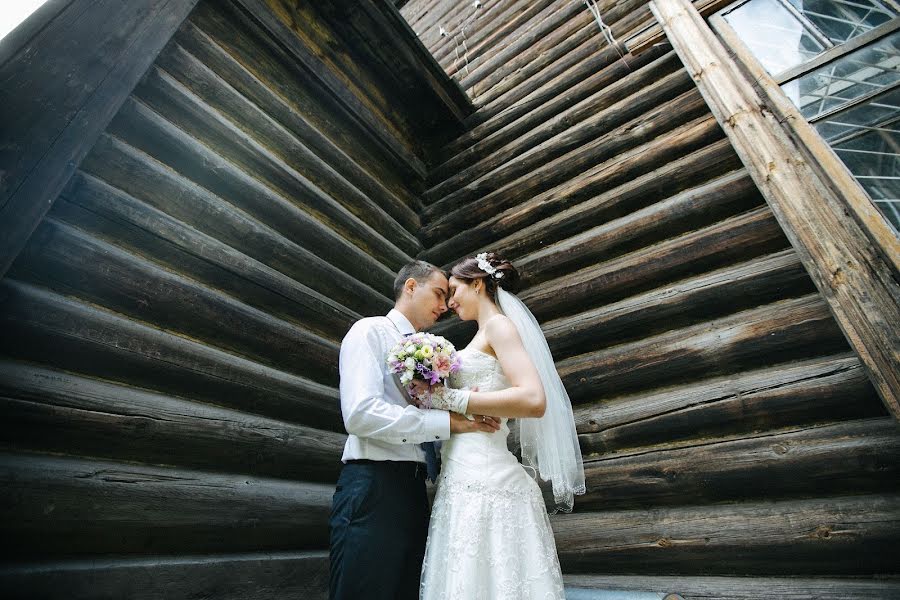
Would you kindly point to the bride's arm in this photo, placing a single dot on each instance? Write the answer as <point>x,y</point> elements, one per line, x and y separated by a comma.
<point>525,397</point>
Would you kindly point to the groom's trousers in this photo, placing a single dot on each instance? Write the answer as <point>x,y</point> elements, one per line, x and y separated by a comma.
<point>379,523</point>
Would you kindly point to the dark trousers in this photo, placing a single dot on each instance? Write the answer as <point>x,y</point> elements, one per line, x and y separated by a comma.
<point>379,523</point>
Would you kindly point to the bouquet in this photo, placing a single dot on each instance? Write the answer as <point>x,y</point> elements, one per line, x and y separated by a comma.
<point>423,356</point>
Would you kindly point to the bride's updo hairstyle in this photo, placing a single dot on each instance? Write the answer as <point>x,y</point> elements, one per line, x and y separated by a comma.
<point>495,270</point>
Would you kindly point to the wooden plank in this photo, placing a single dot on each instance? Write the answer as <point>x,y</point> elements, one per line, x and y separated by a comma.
<point>688,302</point>
<point>746,588</point>
<point>653,35</point>
<point>95,207</point>
<point>51,120</point>
<point>801,392</point>
<point>46,410</point>
<point>812,461</point>
<point>56,507</point>
<point>259,576</point>
<point>209,183</point>
<point>786,330</point>
<point>732,240</point>
<point>857,282</point>
<point>68,261</point>
<point>46,328</point>
<point>791,537</point>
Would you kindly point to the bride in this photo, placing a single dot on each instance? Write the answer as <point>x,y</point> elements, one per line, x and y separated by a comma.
<point>490,536</point>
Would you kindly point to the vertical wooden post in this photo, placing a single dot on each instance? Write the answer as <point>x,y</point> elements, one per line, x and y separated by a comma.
<point>858,282</point>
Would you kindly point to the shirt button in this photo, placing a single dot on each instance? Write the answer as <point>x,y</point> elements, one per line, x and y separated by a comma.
<point>404,439</point>
<point>437,437</point>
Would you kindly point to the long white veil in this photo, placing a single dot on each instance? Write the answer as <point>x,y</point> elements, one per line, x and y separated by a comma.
<point>550,443</point>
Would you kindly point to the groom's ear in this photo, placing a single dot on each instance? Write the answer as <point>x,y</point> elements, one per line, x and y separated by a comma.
<point>410,285</point>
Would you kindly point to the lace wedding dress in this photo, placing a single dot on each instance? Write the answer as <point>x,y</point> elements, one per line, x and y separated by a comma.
<point>489,537</point>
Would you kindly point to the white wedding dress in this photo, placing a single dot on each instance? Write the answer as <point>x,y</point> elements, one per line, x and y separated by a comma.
<point>490,536</point>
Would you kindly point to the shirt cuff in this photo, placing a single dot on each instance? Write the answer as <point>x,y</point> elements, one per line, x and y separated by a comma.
<point>436,425</point>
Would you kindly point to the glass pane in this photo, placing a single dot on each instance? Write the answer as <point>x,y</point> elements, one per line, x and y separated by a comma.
<point>774,35</point>
<point>842,20</point>
<point>857,74</point>
<point>867,138</point>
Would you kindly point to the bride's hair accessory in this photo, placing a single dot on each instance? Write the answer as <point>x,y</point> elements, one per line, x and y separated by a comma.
<point>549,444</point>
<point>491,268</point>
<point>485,265</point>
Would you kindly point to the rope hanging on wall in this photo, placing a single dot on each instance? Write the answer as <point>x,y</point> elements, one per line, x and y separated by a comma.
<point>459,38</point>
<point>605,29</point>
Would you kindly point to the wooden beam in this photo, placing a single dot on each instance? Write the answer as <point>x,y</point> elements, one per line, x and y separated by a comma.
<point>251,576</point>
<point>653,35</point>
<point>859,284</point>
<point>61,90</point>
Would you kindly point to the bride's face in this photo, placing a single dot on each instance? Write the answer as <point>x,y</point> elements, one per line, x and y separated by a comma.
<point>463,300</point>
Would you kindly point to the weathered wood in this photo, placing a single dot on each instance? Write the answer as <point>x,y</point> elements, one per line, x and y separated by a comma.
<point>546,103</point>
<point>793,537</point>
<point>183,109</point>
<point>732,240</point>
<point>746,588</point>
<point>819,460</point>
<point>110,214</point>
<point>694,300</point>
<point>769,334</point>
<point>62,258</point>
<point>797,393</point>
<point>856,281</point>
<point>625,99</point>
<point>653,34</point>
<point>46,328</point>
<point>611,135</point>
<point>56,507</point>
<point>698,207</point>
<point>259,576</point>
<point>256,125</point>
<point>61,90</point>
<point>216,186</point>
<point>54,411</point>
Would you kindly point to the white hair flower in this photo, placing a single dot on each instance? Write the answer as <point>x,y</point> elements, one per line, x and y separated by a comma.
<point>485,265</point>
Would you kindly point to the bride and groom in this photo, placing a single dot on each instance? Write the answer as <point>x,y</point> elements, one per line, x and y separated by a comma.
<point>488,535</point>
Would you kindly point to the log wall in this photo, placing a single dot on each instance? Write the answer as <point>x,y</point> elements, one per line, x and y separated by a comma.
<point>731,437</point>
<point>168,364</point>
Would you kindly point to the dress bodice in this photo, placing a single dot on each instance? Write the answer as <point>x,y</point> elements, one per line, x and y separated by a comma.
<point>478,369</point>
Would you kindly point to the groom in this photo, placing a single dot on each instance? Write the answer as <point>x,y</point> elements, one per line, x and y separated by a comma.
<point>379,516</point>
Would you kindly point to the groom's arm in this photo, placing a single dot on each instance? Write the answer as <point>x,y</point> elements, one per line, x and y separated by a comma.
<point>366,412</point>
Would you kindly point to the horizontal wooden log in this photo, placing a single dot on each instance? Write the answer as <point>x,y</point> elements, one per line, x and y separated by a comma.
<point>595,188</point>
<point>56,507</point>
<point>829,388</point>
<point>293,36</point>
<point>259,576</point>
<point>707,296</point>
<point>70,78</point>
<point>361,170</point>
<point>71,262</point>
<point>692,209</point>
<point>182,108</point>
<point>46,410</point>
<point>47,328</point>
<point>648,84</point>
<point>834,536</point>
<point>556,97</point>
<point>289,153</point>
<point>817,460</point>
<point>791,329</point>
<point>274,68</point>
<point>111,214</point>
<point>572,154</point>
<point>214,182</point>
<point>736,239</point>
<point>745,588</point>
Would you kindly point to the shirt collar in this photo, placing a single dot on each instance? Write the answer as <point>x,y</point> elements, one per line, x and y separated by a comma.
<point>402,323</point>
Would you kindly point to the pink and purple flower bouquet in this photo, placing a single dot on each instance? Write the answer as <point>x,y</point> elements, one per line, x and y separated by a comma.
<point>423,356</point>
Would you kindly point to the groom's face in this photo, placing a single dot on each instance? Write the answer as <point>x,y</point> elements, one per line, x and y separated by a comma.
<point>430,299</point>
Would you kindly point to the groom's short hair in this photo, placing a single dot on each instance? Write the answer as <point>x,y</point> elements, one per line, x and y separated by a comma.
<point>419,270</point>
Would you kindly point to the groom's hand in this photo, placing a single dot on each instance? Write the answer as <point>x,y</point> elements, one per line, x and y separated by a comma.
<point>460,424</point>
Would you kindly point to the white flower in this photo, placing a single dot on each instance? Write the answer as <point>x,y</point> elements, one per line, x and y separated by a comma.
<point>410,363</point>
<point>484,264</point>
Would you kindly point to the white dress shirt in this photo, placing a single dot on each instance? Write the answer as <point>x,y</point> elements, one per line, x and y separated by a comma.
<point>381,423</point>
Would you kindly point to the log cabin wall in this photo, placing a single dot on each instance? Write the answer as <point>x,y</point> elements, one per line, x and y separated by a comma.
<point>171,423</point>
<point>733,444</point>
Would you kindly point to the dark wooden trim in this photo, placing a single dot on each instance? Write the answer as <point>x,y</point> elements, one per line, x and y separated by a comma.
<point>104,47</point>
<point>810,194</point>
<point>18,39</point>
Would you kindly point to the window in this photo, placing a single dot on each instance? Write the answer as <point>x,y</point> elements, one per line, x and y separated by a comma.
<point>839,63</point>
